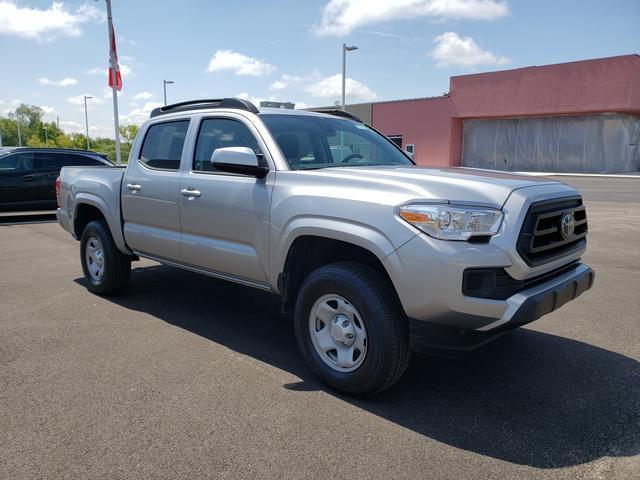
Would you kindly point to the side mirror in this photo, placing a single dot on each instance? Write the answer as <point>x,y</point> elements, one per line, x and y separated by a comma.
<point>240,160</point>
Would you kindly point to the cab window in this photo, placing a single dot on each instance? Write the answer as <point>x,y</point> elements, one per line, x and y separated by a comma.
<point>163,143</point>
<point>218,133</point>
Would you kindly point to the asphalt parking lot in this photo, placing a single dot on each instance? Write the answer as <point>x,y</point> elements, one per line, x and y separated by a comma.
<point>184,376</point>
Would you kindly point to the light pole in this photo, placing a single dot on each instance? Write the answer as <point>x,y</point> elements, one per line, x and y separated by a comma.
<point>86,118</point>
<point>164,86</point>
<point>46,136</point>
<point>345,49</point>
<point>19,134</point>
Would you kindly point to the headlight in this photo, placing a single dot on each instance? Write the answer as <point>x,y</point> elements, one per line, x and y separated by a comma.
<point>448,222</point>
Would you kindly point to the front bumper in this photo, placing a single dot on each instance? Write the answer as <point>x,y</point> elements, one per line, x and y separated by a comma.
<point>523,307</point>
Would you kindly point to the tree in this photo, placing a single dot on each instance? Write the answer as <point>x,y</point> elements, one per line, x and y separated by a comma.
<point>128,134</point>
<point>32,134</point>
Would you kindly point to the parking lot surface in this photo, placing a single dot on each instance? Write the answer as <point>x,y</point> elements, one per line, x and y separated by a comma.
<point>185,376</point>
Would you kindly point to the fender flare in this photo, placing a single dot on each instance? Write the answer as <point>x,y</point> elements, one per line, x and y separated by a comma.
<point>358,234</point>
<point>113,219</point>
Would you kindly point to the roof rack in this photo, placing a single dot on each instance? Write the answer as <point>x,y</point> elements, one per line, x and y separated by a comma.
<point>57,149</point>
<point>237,103</point>
<point>335,111</point>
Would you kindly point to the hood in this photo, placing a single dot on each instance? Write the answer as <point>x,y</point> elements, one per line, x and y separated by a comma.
<point>455,185</point>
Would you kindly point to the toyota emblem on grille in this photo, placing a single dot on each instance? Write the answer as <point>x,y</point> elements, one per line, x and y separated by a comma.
<point>567,224</point>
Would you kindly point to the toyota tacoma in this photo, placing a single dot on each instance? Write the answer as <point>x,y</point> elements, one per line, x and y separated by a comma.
<point>375,256</point>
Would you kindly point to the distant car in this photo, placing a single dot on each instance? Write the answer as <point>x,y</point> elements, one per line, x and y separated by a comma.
<point>28,175</point>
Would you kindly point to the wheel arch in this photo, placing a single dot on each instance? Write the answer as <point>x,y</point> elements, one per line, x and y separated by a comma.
<point>90,207</point>
<point>308,251</point>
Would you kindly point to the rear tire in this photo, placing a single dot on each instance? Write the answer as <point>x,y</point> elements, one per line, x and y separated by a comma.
<point>351,329</point>
<point>106,269</point>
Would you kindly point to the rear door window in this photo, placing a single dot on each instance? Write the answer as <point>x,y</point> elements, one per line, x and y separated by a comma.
<point>74,160</point>
<point>163,143</point>
<point>48,161</point>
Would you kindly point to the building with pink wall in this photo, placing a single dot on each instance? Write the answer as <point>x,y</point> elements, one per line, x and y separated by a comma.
<point>577,116</point>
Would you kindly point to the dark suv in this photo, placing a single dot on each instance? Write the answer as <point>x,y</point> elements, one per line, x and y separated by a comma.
<point>28,175</point>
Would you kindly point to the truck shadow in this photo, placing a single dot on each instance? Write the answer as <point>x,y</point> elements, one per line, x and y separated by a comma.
<point>529,398</point>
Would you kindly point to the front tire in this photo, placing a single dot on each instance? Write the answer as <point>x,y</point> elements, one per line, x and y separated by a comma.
<point>106,269</point>
<point>350,328</point>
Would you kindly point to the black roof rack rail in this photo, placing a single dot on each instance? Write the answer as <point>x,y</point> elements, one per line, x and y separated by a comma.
<point>237,103</point>
<point>337,112</point>
<point>57,149</point>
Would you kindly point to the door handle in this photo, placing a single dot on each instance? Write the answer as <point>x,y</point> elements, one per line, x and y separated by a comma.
<point>190,192</point>
<point>134,187</point>
<point>28,178</point>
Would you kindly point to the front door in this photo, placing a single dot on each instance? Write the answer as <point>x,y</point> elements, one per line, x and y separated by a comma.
<point>151,192</point>
<point>19,187</point>
<point>224,216</point>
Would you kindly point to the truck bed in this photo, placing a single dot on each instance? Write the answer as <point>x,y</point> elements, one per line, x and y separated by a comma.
<point>97,186</point>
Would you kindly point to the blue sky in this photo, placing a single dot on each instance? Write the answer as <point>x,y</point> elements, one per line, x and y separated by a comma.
<point>52,53</point>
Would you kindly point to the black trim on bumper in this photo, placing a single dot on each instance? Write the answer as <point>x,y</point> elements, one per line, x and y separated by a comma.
<point>495,283</point>
<point>553,298</point>
<point>439,339</point>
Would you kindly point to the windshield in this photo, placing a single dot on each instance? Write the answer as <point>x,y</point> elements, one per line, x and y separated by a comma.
<point>310,142</point>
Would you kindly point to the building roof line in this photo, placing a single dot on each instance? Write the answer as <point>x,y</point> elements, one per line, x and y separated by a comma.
<point>629,56</point>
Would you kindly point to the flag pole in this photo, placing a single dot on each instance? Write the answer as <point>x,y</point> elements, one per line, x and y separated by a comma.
<point>114,90</point>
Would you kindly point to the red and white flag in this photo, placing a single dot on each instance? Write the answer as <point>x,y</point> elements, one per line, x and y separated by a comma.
<point>115,78</point>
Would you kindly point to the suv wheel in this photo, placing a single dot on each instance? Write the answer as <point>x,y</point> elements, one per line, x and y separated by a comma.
<point>350,328</point>
<point>105,268</point>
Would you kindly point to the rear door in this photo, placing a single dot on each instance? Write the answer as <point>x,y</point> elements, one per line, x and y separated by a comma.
<point>46,169</point>
<point>151,192</point>
<point>47,166</point>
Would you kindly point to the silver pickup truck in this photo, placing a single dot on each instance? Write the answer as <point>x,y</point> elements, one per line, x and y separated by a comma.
<point>374,255</point>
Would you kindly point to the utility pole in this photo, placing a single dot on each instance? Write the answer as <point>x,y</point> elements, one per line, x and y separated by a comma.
<point>114,90</point>
<point>46,136</point>
<point>345,49</point>
<point>164,86</point>
<point>86,119</point>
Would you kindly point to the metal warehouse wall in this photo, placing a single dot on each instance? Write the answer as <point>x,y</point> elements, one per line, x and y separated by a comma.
<point>361,110</point>
<point>599,143</point>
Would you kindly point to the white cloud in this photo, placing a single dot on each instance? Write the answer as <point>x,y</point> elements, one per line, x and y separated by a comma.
<point>331,87</point>
<point>70,126</point>
<point>341,17</point>
<point>47,24</point>
<point>125,70</point>
<point>122,39</point>
<point>65,82</point>
<point>228,60</point>
<point>97,71</point>
<point>451,49</point>
<point>139,115</point>
<point>47,110</point>
<point>16,102</point>
<point>79,99</point>
<point>143,96</point>
<point>301,105</point>
<point>255,100</point>
<point>287,81</point>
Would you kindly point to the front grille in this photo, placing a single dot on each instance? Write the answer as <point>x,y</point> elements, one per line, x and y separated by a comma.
<point>542,237</point>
